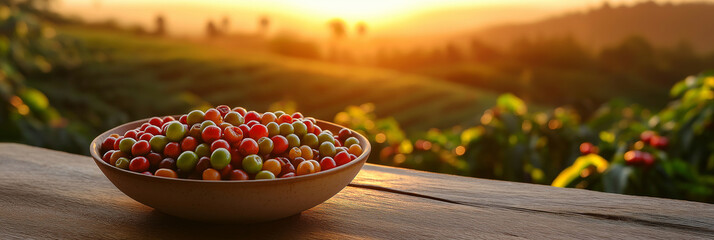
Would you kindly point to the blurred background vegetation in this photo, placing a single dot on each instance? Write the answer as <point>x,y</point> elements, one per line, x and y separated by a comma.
<point>524,103</point>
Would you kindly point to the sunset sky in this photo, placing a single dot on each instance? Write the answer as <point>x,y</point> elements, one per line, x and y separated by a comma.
<point>384,17</point>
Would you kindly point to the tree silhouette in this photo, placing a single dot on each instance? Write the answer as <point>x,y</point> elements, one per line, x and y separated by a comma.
<point>362,28</point>
<point>337,26</point>
<point>452,52</point>
<point>263,24</point>
<point>211,30</point>
<point>160,25</point>
<point>482,52</point>
<point>225,24</point>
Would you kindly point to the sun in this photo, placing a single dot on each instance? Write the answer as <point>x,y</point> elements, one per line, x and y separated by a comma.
<point>366,10</point>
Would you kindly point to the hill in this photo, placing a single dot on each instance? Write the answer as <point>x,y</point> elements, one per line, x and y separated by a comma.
<point>664,25</point>
<point>216,74</point>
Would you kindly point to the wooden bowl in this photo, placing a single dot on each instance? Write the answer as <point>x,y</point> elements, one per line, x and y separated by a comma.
<point>235,201</point>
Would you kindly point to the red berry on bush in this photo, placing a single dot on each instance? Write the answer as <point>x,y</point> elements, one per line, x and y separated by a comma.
<point>588,148</point>
<point>646,136</point>
<point>172,150</point>
<point>211,133</point>
<point>233,135</point>
<point>647,159</point>
<point>220,143</point>
<point>139,164</point>
<point>189,144</point>
<point>633,157</point>
<point>140,148</point>
<point>258,131</point>
<point>108,144</point>
<point>156,121</point>
<point>248,146</point>
<point>659,142</point>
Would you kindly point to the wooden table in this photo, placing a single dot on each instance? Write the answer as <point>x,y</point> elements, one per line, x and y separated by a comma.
<point>50,194</point>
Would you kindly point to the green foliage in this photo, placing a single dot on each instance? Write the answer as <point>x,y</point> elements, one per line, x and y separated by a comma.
<point>30,50</point>
<point>56,93</point>
<point>391,147</point>
<point>684,169</point>
<point>511,143</point>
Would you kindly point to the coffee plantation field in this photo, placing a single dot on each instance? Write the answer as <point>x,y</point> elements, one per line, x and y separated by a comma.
<point>215,75</point>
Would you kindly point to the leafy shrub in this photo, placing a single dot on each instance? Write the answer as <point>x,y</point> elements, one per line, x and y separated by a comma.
<point>682,168</point>
<point>513,144</point>
<point>28,50</point>
<point>56,93</point>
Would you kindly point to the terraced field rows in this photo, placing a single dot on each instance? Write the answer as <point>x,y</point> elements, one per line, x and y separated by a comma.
<point>256,80</point>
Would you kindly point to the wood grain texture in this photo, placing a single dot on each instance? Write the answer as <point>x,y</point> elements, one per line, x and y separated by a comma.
<point>49,194</point>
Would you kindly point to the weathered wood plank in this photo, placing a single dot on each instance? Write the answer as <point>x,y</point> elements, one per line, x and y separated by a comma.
<point>541,199</point>
<point>49,194</point>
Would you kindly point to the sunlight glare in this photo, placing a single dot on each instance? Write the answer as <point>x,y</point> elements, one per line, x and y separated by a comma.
<point>353,10</point>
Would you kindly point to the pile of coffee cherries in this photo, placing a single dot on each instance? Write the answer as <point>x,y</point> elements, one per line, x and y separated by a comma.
<point>230,144</point>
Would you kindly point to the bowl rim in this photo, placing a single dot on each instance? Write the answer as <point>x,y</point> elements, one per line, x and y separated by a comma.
<point>94,149</point>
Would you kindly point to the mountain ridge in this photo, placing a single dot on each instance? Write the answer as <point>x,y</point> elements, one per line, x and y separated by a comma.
<point>664,25</point>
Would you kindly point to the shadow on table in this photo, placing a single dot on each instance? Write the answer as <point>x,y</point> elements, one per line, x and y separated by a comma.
<point>282,228</point>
